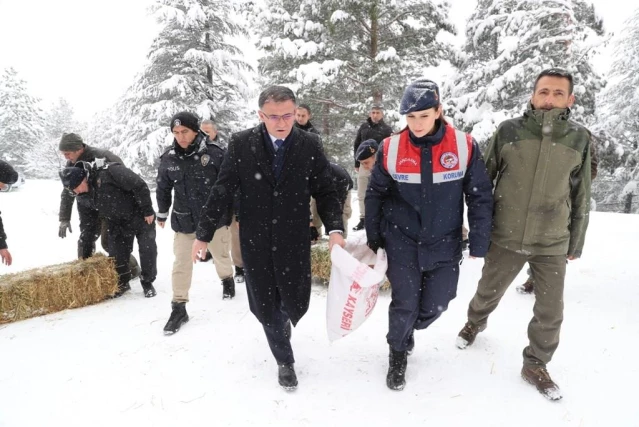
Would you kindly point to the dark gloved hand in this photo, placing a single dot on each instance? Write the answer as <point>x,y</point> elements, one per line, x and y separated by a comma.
<point>314,234</point>
<point>375,244</point>
<point>62,231</point>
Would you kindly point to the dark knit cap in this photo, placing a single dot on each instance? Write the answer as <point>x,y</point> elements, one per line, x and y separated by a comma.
<point>186,119</point>
<point>420,95</point>
<point>72,176</point>
<point>366,149</point>
<point>71,142</point>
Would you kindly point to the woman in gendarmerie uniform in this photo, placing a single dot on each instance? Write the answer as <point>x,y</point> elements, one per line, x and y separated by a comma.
<point>414,209</point>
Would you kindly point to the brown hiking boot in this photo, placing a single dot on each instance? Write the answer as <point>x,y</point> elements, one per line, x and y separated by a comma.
<point>526,288</point>
<point>540,378</point>
<point>467,335</point>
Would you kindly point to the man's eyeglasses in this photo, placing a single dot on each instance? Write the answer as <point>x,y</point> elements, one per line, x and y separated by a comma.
<point>275,119</point>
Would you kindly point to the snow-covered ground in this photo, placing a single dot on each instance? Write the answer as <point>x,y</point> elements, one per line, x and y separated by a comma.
<point>110,364</point>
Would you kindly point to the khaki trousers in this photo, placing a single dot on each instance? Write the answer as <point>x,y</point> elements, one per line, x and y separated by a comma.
<point>501,266</point>
<point>363,178</point>
<point>183,264</point>
<point>236,254</point>
<point>347,211</point>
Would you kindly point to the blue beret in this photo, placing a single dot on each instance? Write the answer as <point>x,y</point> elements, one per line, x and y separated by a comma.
<point>366,149</point>
<point>420,95</point>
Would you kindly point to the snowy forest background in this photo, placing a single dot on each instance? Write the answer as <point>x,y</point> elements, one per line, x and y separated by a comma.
<point>212,57</point>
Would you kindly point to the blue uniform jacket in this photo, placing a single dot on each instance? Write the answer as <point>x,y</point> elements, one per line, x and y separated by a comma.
<point>422,223</point>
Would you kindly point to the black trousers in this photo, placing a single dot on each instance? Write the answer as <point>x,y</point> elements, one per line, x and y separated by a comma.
<point>90,230</point>
<point>121,236</point>
<point>279,343</point>
<point>418,299</point>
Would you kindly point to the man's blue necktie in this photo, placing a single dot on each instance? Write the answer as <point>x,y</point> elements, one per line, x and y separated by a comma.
<point>278,143</point>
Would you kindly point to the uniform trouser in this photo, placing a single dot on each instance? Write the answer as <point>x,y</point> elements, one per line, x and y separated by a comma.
<point>93,226</point>
<point>120,245</point>
<point>363,178</point>
<point>501,266</point>
<point>279,343</point>
<point>90,230</point>
<point>183,264</point>
<point>236,253</point>
<point>347,211</point>
<point>417,299</point>
<point>104,241</point>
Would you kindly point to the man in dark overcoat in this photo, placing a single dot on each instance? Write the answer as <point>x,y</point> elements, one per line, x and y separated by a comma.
<point>276,168</point>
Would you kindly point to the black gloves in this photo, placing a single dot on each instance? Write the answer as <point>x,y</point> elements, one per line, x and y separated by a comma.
<point>314,234</point>
<point>62,231</point>
<point>376,244</point>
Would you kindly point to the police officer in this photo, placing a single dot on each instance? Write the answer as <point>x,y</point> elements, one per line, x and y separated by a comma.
<point>92,226</point>
<point>121,197</point>
<point>188,169</point>
<point>414,209</point>
<point>373,128</point>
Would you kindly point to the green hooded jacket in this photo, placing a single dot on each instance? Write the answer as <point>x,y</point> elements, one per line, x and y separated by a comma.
<point>540,165</point>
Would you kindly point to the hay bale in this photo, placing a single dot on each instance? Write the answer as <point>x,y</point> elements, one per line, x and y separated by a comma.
<point>321,262</point>
<point>57,287</point>
<point>321,265</point>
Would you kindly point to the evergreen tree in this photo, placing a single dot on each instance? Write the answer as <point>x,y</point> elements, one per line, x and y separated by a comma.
<point>21,120</point>
<point>45,160</point>
<point>508,43</point>
<point>193,65</point>
<point>618,111</point>
<point>344,56</point>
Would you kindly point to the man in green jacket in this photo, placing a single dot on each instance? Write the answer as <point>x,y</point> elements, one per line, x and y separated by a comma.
<point>540,165</point>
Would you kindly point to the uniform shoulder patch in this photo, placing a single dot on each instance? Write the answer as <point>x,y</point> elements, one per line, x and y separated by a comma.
<point>449,160</point>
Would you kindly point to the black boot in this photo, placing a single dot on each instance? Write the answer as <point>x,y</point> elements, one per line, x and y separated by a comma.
<point>239,275</point>
<point>228,288</point>
<point>149,290</point>
<point>396,380</point>
<point>121,290</point>
<point>134,267</point>
<point>177,319</point>
<point>360,225</point>
<point>286,376</point>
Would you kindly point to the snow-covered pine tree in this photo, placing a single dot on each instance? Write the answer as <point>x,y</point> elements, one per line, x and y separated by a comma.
<point>21,120</point>
<point>193,65</point>
<point>45,160</point>
<point>344,55</point>
<point>619,119</point>
<point>508,42</point>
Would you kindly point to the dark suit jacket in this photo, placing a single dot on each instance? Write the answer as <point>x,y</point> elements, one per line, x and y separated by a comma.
<point>274,216</point>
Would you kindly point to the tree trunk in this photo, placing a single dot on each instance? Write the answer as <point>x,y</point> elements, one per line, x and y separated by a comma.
<point>627,207</point>
<point>209,70</point>
<point>376,91</point>
<point>326,122</point>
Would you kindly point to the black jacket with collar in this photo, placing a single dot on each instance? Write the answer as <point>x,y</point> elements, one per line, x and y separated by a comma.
<point>118,194</point>
<point>369,130</point>
<point>89,155</point>
<point>188,174</point>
